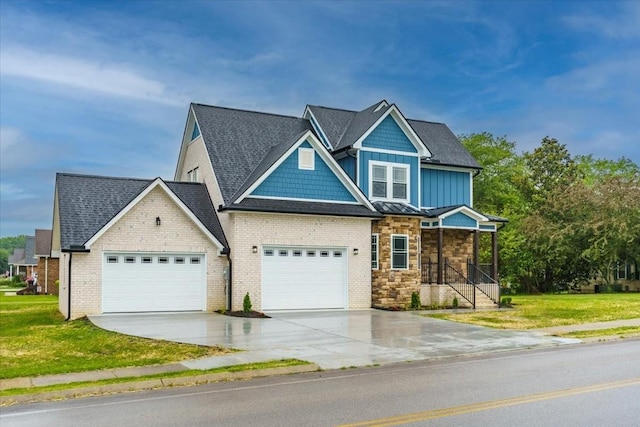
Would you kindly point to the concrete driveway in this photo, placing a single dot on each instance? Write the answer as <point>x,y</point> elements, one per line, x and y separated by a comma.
<point>331,339</point>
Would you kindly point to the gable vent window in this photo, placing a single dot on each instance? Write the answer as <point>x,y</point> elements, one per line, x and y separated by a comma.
<point>306,158</point>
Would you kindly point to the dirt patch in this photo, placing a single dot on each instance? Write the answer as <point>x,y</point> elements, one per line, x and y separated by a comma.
<point>251,314</point>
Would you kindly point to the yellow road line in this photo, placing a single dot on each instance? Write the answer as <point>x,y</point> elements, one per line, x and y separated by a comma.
<point>494,404</point>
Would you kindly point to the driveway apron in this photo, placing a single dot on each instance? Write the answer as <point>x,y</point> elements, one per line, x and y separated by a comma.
<point>331,339</point>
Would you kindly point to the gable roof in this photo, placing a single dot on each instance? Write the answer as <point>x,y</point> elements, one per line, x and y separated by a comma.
<point>17,257</point>
<point>449,210</point>
<point>237,141</point>
<point>344,128</point>
<point>43,243</point>
<point>87,203</point>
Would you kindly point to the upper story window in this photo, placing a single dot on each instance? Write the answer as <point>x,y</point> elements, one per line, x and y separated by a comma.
<point>196,131</point>
<point>389,181</point>
<point>192,175</point>
<point>306,158</point>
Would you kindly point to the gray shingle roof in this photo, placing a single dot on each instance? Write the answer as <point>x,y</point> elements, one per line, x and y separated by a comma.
<point>43,242</point>
<point>87,203</point>
<point>344,127</point>
<point>238,141</point>
<point>298,207</point>
<point>29,251</point>
<point>17,257</point>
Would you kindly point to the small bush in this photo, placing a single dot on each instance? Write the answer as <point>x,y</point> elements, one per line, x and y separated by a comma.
<point>415,301</point>
<point>455,302</point>
<point>246,304</point>
<point>505,302</point>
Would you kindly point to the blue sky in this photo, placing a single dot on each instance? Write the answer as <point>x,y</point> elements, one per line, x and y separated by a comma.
<point>104,87</point>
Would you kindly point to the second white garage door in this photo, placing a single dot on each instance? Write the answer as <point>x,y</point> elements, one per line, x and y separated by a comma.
<point>304,278</point>
<point>134,282</point>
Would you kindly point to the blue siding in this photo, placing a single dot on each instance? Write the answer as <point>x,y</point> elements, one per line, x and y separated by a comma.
<point>367,156</point>
<point>289,181</point>
<point>348,164</point>
<point>389,136</point>
<point>460,220</point>
<point>488,227</point>
<point>445,188</point>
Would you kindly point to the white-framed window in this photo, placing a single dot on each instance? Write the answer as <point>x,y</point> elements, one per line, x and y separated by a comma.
<point>306,158</point>
<point>621,270</point>
<point>192,175</point>
<point>399,252</point>
<point>374,251</point>
<point>389,181</point>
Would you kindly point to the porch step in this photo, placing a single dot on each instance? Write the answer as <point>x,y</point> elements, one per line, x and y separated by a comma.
<point>483,301</point>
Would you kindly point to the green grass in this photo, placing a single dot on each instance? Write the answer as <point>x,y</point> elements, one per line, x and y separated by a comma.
<point>623,331</point>
<point>180,374</point>
<point>36,340</point>
<point>542,311</point>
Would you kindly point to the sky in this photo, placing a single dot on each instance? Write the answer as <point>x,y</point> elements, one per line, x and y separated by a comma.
<point>104,88</point>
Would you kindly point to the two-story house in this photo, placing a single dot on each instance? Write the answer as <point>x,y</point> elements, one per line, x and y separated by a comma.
<point>335,209</point>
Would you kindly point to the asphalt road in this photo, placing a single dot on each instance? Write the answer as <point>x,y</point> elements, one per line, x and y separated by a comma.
<point>582,385</point>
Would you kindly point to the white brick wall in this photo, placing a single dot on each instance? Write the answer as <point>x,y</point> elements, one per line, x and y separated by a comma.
<point>137,232</point>
<point>259,229</point>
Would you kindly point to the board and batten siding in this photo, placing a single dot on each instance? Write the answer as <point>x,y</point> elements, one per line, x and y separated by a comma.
<point>445,188</point>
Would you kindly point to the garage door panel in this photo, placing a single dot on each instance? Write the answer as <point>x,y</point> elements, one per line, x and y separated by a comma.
<point>153,286</point>
<point>314,279</point>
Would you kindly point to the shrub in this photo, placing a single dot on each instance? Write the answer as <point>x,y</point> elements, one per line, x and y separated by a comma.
<point>415,301</point>
<point>455,302</point>
<point>505,302</point>
<point>246,303</point>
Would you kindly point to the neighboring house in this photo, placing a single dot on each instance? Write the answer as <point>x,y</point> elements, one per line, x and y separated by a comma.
<point>23,262</point>
<point>335,209</point>
<point>48,265</point>
<point>625,277</point>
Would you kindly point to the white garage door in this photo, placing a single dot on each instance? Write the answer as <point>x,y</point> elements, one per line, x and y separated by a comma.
<point>303,278</point>
<point>153,282</point>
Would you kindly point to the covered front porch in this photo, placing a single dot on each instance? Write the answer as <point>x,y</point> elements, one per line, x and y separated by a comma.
<point>446,245</point>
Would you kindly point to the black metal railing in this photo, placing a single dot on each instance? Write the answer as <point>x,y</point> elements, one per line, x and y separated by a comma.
<point>484,283</point>
<point>429,272</point>
<point>460,284</point>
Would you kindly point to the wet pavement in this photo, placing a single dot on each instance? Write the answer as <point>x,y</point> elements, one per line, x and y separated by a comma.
<point>331,339</point>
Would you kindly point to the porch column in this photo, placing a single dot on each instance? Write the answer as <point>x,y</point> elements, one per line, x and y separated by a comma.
<point>494,255</point>
<point>440,261</point>
<point>476,248</point>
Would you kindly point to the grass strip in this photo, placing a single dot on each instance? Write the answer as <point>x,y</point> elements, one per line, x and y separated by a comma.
<point>187,373</point>
<point>623,331</point>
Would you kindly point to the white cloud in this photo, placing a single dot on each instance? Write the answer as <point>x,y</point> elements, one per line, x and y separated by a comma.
<point>106,78</point>
<point>623,25</point>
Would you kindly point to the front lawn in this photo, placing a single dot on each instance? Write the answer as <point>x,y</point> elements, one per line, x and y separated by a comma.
<point>36,340</point>
<point>542,311</point>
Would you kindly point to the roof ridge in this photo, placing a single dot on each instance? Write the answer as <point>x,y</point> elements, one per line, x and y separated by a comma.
<point>333,108</point>
<point>249,111</point>
<point>427,121</point>
<point>105,176</point>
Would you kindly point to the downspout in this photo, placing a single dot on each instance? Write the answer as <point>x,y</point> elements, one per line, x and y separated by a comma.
<point>69,289</point>
<point>227,252</point>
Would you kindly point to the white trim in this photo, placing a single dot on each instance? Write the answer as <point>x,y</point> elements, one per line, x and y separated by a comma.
<point>325,156</point>
<point>406,237</point>
<point>467,211</point>
<point>186,140</point>
<point>422,149</point>
<point>446,168</point>
<point>158,182</point>
<point>314,121</point>
<point>381,106</point>
<point>251,196</point>
<point>470,189</point>
<point>394,152</point>
<point>390,166</point>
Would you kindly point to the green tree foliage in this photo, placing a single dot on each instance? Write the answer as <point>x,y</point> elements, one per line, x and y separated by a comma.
<point>4,260</point>
<point>10,243</point>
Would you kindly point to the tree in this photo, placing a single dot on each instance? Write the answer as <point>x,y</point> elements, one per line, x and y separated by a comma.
<point>4,261</point>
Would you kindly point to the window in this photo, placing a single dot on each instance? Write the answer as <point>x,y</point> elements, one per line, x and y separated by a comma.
<point>192,175</point>
<point>283,253</point>
<point>112,259</point>
<point>268,252</point>
<point>374,251</point>
<point>399,252</point>
<point>130,259</point>
<point>163,260</point>
<point>195,260</point>
<point>306,158</point>
<point>337,254</point>
<point>324,254</point>
<point>178,260</point>
<point>311,253</point>
<point>146,260</point>
<point>297,253</point>
<point>621,271</point>
<point>389,181</point>
<point>196,131</point>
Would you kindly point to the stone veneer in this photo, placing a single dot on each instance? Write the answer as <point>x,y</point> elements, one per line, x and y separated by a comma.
<point>391,288</point>
<point>457,248</point>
